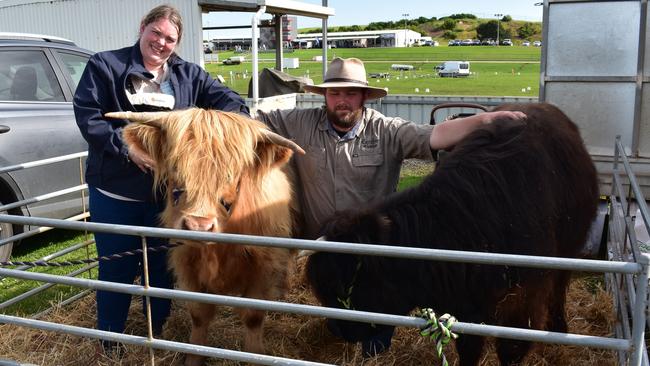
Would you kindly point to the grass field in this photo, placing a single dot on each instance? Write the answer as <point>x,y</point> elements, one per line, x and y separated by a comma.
<point>35,248</point>
<point>496,71</point>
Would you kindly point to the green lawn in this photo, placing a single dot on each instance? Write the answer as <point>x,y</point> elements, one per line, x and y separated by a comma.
<point>35,248</point>
<point>502,71</point>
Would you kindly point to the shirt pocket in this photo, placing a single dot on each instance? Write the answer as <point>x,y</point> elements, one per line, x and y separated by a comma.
<point>313,163</point>
<point>367,168</point>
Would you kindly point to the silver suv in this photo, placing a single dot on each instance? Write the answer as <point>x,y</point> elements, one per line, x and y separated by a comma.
<point>38,77</point>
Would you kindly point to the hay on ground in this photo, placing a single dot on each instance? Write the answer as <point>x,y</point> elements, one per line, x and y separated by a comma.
<point>589,311</point>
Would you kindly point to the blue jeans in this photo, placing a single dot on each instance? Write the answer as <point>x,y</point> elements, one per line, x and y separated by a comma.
<point>370,347</point>
<point>113,307</point>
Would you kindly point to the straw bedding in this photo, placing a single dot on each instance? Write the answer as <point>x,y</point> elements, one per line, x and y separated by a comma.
<point>589,311</point>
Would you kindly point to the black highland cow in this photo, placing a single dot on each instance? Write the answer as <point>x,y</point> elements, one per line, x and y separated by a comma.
<point>518,187</point>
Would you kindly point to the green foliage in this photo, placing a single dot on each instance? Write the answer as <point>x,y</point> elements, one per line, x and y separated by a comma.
<point>351,28</point>
<point>488,30</point>
<point>470,27</point>
<point>450,35</point>
<point>462,16</point>
<point>528,30</point>
<point>448,24</point>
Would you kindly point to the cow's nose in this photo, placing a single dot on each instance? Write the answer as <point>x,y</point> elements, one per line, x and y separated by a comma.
<point>197,223</point>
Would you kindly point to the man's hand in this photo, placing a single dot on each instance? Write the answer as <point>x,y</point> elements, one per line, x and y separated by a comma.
<point>488,117</point>
<point>448,134</point>
<point>140,158</point>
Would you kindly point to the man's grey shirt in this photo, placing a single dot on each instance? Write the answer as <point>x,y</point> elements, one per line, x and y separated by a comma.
<point>339,173</point>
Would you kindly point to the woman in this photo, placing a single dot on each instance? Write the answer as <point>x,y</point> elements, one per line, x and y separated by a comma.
<point>146,76</point>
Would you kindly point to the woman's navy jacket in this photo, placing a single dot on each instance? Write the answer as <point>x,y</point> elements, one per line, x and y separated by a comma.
<point>102,89</point>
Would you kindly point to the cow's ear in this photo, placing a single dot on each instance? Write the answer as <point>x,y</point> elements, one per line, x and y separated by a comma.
<point>146,137</point>
<point>272,155</point>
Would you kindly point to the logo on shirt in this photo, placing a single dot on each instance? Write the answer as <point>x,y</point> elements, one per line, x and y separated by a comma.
<point>369,144</point>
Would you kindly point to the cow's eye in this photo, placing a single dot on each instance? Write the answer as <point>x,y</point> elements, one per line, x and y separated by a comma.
<point>176,195</point>
<point>227,205</point>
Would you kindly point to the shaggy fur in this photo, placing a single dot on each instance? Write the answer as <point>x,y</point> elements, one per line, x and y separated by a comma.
<point>221,175</point>
<point>520,187</point>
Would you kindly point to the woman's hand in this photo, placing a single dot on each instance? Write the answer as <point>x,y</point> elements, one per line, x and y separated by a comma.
<point>140,158</point>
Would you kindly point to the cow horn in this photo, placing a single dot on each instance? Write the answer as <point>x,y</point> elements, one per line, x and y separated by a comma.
<point>137,116</point>
<point>305,253</point>
<point>282,141</point>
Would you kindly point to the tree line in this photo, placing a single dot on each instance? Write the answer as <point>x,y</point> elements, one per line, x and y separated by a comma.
<point>448,27</point>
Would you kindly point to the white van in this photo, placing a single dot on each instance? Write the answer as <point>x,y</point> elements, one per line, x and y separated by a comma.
<point>453,68</point>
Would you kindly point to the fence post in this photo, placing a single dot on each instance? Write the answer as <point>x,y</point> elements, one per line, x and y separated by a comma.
<point>639,315</point>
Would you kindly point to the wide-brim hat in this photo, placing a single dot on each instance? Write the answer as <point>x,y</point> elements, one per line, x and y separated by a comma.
<point>346,73</point>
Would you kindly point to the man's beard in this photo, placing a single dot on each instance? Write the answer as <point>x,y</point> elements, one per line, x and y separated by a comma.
<point>346,121</point>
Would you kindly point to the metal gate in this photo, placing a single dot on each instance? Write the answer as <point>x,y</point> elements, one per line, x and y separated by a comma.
<point>627,268</point>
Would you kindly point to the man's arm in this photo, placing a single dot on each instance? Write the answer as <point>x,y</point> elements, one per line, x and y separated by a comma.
<point>449,133</point>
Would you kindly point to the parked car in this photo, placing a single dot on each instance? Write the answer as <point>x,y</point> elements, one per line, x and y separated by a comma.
<point>506,42</point>
<point>537,43</point>
<point>38,77</point>
<point>525,44</point>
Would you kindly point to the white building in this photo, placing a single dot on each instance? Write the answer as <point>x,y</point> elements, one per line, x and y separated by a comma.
<point>376,38</point>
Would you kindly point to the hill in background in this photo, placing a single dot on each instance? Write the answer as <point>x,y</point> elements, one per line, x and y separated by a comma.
<point>455,26</point>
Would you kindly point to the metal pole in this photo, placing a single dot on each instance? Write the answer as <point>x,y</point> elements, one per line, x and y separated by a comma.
<point>147,299</point>
<point>638,93</point>
<point>498,26</point>
<point>254,38</point>
<point>638,315</point>
<point>324,45</point>
<point>279,57</point>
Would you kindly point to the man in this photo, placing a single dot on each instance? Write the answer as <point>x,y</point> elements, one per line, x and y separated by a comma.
<point>354,154</point>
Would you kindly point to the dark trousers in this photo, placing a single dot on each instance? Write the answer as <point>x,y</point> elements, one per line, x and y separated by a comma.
<point>372,346</point>
<point>113,307</point>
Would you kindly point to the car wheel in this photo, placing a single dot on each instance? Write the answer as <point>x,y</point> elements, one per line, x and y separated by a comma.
<point>6,231</point>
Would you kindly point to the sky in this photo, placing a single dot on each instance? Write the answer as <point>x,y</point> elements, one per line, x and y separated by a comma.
<point>361,12</point>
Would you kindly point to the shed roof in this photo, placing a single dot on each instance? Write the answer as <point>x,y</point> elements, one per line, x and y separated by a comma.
<point>290,7</point>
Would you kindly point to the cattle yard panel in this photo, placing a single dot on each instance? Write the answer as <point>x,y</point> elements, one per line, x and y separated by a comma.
<point>621,344</point>
<point>623,246</point>
<point>31,231</point>
<point>627,279</point>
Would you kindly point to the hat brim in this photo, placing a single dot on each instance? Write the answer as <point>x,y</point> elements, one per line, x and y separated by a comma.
<point>373,93</point>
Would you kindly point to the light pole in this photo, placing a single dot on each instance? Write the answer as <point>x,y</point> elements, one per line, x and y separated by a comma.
<point>405,41</point>
<point>498,26</point>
